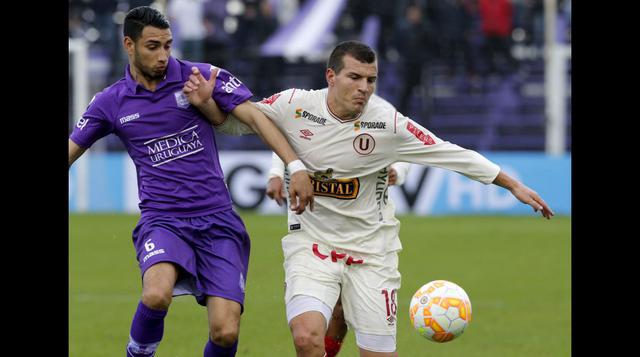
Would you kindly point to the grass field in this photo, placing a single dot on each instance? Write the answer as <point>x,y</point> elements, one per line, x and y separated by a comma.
<point>516,270</point>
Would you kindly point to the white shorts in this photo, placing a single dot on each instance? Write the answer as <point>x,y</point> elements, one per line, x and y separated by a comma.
<point>368,283</point>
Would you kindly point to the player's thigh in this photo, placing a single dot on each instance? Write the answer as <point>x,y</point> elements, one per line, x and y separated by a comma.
<point>370,294</point>
<point>162,239</point>
<point>160,278</point>
<point>223,314</point>
<point>222,255</point>
<point>308,273</point>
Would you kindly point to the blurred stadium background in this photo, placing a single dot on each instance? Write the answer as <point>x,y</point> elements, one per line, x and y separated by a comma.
<point>505,92</point>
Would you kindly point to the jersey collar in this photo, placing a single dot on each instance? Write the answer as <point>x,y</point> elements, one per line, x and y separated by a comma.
<point>334,115</point>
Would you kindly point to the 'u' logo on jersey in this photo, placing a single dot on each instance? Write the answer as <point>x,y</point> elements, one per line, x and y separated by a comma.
<point>364,144</point>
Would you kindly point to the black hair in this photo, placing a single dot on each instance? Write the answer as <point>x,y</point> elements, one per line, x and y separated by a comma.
<point>356,49</point>
<point>141,16</point>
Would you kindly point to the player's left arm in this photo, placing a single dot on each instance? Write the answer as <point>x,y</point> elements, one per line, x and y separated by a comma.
<point>199,90</point>
<point>418,145</point>
<point>300,185</point>
<point>523,193</point>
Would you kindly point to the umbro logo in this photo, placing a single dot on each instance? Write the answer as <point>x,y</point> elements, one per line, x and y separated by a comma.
<point>306,134</point>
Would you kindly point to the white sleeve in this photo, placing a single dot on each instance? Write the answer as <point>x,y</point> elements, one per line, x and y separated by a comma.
<point>402,169</point>
<point>275,106</point>
<point>271,107</point>
<point>233,126</point>
<point>277,167</point>
<point>418,145</point>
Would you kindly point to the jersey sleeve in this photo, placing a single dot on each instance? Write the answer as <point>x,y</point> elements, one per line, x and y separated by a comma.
<point>274,107</point>
<point>402,169</point>
<point>233,126</point>
<point>95,123</point>
<point>229,91</point>
<point>418,145</point>
<point>277,166</point>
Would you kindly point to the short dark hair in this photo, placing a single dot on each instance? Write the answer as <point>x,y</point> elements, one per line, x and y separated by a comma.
<point>356,49</point>
<point>141,16</point>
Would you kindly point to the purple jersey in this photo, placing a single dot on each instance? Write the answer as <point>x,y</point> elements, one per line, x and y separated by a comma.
<point>171,143</point>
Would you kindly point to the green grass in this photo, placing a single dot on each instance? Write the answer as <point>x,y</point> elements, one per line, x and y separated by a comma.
<point>516,271</point>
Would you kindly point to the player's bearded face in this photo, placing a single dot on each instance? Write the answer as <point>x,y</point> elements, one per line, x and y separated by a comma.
<point>355,84</point>
<point>151,52</point>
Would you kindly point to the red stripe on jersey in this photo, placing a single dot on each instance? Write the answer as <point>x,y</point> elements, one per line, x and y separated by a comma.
<point>294,90</point>
<point>395,121</point>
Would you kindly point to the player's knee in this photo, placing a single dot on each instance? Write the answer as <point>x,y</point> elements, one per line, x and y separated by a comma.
<point>306,340</point>
<point>224,336</point>
<point>156,298</point>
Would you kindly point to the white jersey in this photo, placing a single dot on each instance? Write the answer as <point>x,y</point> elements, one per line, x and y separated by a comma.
<point>347,161</point>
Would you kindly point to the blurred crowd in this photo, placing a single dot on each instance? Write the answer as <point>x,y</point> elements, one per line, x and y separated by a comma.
<point>472,39</point>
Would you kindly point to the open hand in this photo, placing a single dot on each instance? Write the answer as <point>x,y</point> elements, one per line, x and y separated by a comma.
<point>198,89</point>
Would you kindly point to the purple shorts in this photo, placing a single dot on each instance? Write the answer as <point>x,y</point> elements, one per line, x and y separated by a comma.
<point>212,250</point>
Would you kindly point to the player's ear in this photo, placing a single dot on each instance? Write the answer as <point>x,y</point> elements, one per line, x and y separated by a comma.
<point>129,45</point>
<point>331,77</point>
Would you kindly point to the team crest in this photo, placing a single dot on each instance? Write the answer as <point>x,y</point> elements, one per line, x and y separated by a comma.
<point>181,99</point>
<point>364,144</point>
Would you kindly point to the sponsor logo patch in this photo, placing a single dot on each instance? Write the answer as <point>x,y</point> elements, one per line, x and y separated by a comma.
<point>233,84</point>
<point>426,139</point>
<point>301,113</point>
<point>82,122</point>
<point>325,185</point>
<point>129,118</point>
<point>174,146</point>
<point>271,99</point>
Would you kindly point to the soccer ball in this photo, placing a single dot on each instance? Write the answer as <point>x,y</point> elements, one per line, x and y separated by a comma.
<point>440,311</point>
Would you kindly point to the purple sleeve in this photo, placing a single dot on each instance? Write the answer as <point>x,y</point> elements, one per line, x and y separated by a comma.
<point>94,124</point>
<point>230,91</point>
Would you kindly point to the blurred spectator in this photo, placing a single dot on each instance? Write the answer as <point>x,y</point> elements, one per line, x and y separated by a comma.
<point>535,22</point>
<point>412,41</point>
<point>496,18</point>
<point>454,22</point>
<point>255,26</point>
<point>189,31</point>
<point>285,10</point>
<point>565,10</point>
<point>217,40</point>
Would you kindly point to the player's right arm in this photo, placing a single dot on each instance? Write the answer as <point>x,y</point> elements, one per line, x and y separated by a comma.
<point>275,181</point>
<point>75,151</point>
<point>94,124</point>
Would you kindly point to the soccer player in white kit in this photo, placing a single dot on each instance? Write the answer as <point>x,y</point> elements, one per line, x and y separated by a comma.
<point>347,137</point>
<point>277,177</point>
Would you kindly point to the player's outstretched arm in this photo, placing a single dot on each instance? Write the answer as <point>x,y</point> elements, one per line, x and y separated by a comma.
<point>300,188</point>
<point>523,193</point>
<point>276,180</point>
<point>75,151</point>
<point>199,90</point>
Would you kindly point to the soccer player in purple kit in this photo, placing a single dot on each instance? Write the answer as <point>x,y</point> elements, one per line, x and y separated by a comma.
<point>189,240</point>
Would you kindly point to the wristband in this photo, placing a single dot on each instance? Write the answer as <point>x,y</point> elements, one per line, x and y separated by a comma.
<point>295,166</point>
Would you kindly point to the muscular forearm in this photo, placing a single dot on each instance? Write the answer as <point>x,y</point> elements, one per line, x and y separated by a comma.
<point>506,181</point>
<point>248,114</point>
<point>274,138</point>
<point>211,111</point>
